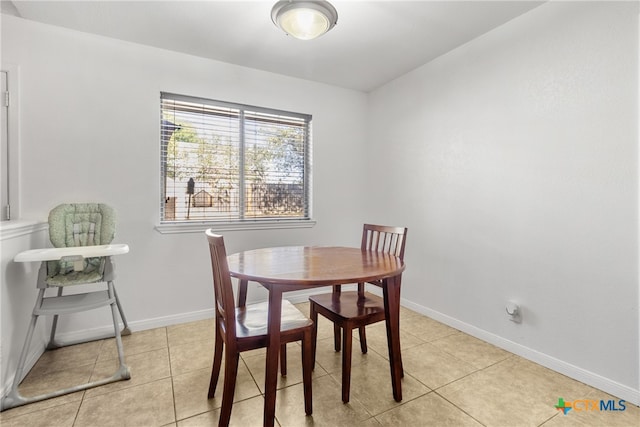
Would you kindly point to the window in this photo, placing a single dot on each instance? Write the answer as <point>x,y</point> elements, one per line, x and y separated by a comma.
<point>229,163</point>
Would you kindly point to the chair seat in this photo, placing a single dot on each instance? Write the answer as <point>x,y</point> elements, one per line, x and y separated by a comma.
<point>251,320</point>
<point>347,305</point>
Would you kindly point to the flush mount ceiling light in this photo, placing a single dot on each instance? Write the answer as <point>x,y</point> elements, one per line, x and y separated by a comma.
<point>304,20</point>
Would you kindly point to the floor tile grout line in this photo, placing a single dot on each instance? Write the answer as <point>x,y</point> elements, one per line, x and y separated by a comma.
<point>84,392</point>
<point>548,419</point>
<point>482,341</point>
<point>244,362</point>
<point>459,408</point>
<point>173,387</point>
<point>402,403</point>
<point>413,334</point>
<point>478,370</point>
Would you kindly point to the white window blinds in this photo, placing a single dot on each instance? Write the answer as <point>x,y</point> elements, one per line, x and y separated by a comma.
<point>228,162</point>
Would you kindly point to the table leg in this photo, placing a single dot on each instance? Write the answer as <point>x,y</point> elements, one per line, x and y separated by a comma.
<point>273,350</point>
<point>242,292</point>
<point>392,313</point>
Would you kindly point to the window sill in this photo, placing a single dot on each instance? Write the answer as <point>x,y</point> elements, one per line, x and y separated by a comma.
<point>200,227</point>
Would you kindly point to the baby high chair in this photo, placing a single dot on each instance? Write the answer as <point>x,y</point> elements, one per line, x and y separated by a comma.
<point>81,235</point>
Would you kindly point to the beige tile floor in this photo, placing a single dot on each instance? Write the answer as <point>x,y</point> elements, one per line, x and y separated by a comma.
<point>451,379</point>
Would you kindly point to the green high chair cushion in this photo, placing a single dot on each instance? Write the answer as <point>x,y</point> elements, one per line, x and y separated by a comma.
<point>67,276</point>
<point>79,224</point>
<point>63,217</point>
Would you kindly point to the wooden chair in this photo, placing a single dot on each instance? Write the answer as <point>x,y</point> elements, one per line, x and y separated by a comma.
<point>245,328</point>
<point>356,309</point>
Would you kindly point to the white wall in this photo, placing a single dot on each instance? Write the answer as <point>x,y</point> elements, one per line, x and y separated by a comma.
<point>90,132</point>
<point>513,160</point>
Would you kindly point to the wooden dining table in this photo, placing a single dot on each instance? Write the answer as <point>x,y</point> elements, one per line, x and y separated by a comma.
<point>290,268</point>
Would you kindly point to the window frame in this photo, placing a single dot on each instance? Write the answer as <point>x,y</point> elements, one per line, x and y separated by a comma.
<point>192,226</point>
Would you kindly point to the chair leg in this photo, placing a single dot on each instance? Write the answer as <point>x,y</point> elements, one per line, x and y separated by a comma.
<point>400,358</point>
<point>313,314</point>
<point>125,329</point>
<point>217,363</point>
<point>123,370</point>
<point>283,360</point>
<point>307,367</point>
<point>336,329</point>
<point>363,339</point>
<point>346,363</point>
<point>336,337</point>
<point>230,373</point>
<point>52,344</point>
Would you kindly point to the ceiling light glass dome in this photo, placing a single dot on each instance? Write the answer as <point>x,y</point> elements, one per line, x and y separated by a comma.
<point>304,20</point>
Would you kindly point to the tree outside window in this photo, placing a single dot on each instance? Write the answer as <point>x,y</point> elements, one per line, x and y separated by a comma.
<point>244,163</point>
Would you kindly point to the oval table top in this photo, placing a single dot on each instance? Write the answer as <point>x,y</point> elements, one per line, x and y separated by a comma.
<point>313,265</point>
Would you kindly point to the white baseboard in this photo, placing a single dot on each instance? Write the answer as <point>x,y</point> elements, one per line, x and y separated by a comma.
<point>614,388</point>
<point>140,325</point>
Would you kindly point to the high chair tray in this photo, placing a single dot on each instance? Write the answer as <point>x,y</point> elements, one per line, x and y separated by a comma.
<point>53,254</point>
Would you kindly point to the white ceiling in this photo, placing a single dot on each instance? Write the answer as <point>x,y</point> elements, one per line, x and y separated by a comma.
<point>373,43</point>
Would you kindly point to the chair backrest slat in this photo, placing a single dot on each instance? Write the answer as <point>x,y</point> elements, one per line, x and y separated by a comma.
<point>385,239</point>
<point>223,291</point>
<point>382,238</point>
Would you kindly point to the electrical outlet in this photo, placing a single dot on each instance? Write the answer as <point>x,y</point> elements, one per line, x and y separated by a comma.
<point>514,311</point>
